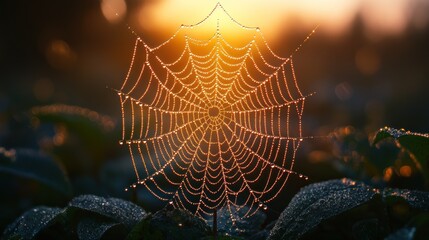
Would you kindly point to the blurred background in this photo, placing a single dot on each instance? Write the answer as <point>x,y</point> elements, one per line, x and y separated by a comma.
<point>368,64</point>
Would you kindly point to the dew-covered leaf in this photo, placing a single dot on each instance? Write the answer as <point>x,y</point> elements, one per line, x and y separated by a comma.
<point>94,229</point>
<point>170,224</point>
<point>318,202</point>
<point>35,166</point>
<point>243,227</point>
<point>358,159</point>
<point>416,199</point>
<point>31,223</point>
<point>415,143</point>
<point>117,209</point>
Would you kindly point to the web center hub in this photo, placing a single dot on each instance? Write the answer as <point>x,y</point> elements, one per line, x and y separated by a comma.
<point>214,112</point>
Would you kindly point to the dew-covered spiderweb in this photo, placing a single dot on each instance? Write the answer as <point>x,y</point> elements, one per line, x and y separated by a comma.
<point>212,122</point>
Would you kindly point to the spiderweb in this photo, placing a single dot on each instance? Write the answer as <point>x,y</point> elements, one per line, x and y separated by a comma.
<point>217,126</point>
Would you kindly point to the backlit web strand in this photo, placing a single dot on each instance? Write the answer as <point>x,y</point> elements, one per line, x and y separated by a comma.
<point>218,126</point>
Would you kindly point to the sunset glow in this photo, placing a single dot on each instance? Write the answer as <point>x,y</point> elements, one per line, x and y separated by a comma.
<point>274,17</point>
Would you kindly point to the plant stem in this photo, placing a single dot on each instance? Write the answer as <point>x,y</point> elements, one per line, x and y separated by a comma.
<point>215,224</point>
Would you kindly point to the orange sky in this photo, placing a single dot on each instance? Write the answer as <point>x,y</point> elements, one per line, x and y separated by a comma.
<point>381,17</point>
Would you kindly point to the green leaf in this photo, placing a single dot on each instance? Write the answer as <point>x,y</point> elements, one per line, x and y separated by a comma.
<point>87,135</point>
<point>318,202</point>
<point>94,229</point>
<point>32,222</point>
<point>35,166</point>
<point>120,210</point>
<point>416,143</point>
<point>175,224</point>
<point>90,124</point>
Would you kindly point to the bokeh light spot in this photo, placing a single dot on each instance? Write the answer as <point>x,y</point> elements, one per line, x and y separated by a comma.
<point>60,55</point>
<point>113,10</point>
<point>344,91</point>
<point>367,61</point>
<point>406,171</point>
<point>388,172</point>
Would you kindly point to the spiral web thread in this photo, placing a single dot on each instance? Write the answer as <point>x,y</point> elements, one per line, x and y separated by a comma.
<point>217,127</point>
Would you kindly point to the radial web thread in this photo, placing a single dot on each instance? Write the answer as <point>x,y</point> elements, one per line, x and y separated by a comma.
<point>216,127</point>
